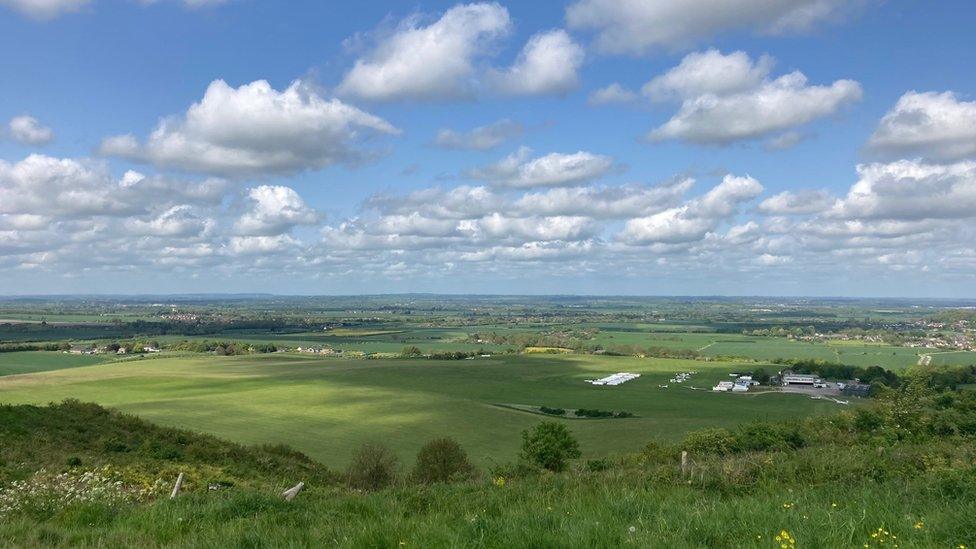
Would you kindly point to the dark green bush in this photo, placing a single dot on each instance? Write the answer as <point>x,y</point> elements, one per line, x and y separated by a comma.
<point>710,441</point>
<point>373,467</point>
<point>552,411</point>
<point>549,445</point>
<point>442,460</point>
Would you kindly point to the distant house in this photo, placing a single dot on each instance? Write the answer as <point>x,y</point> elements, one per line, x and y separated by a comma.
<point>121,351</point>
<point>150,349</point>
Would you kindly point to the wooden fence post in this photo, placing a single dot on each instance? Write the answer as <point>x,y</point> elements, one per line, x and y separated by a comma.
<point>684,462</point>
<point>177,486</point>
<point>293,491</point>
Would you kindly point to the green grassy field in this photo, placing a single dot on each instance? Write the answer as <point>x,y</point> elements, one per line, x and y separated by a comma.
<point>42,361</point>
<point>328,407</point>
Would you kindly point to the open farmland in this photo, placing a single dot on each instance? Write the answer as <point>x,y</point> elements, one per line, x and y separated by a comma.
<point>42,361</point>
<point>327,407</point>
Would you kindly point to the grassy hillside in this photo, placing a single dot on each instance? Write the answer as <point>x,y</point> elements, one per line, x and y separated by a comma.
<point>74,435</point>
<point>328,407</point>
<point>831,487</point>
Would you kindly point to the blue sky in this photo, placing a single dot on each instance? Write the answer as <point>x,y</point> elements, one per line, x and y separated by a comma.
<point>802,147</point>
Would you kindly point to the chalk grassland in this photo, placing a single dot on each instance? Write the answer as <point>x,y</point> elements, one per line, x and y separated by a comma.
<point>328,407</point>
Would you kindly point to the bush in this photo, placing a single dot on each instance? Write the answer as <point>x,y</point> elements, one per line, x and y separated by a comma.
<point>765,436</point>
<point>710,441</point>
<point>411,352</point>
<point>373,467</point>
<point>552,411</point>
<point>442,460</point>
<point>550,445</point>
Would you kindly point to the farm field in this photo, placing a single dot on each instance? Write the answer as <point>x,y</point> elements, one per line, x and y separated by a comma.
<point>948,358</point>
<point>767,348</point>
<point>367,341</point>
<point>328,407</point>
<point>42,361</point>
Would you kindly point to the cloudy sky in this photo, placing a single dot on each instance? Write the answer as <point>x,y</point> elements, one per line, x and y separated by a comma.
<point>737,147</point>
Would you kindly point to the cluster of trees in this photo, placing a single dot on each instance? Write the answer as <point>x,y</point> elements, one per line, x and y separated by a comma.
<point>946,378</point>
<point>653,351</point>
<point>412,351</point>
<point>874,375</point>
<point>223,348</point>
<point>572,339</point>
<point>18,347</point>
<point>782,331</point>
<point>584,412</point>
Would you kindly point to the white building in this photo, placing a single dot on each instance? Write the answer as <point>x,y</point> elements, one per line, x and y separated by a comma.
<point>800,379</point>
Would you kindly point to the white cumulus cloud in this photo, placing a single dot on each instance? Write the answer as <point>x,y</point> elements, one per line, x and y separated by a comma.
<point>552,170</point>
<point>482,138</point>
<point>548,63</point>
<point>727,98</point>
<point>611,94</point>
<point>44,9</point>
<point>710,71</point>
<point>931,125</point>
<point>27,130</point>
<point>797,203</point>
<point>436,61</point>
<point>693,220</point>
<point>274,209</point>
<point>255,130</point>
<point>642,26</point>
<point>911,190</point>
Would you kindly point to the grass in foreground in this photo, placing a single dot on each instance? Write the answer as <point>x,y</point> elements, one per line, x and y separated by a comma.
<point>572,510</point>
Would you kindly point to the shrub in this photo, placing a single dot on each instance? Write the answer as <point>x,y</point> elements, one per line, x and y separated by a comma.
<point>373,467</point>
<point>550,445</point>
<point>763,436</point>
<point>710,441</point>
<point>442,460</point>
<point>552,411</point>
<point>411,352</point>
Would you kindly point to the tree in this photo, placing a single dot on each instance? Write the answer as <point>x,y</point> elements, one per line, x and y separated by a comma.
<point>442,460</point>
<point>550,445</point>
